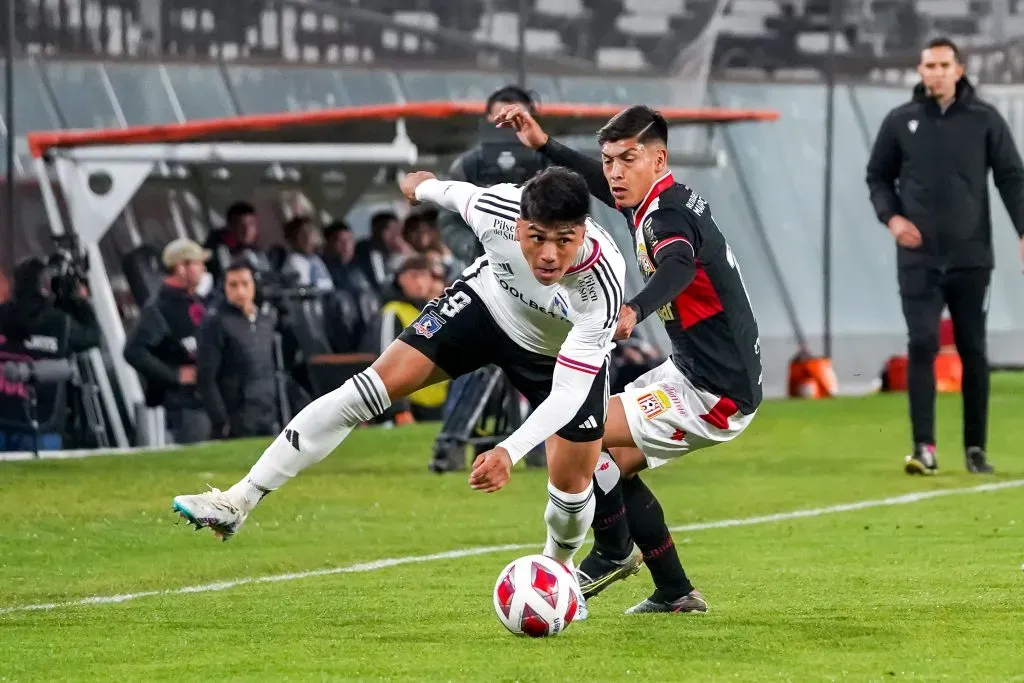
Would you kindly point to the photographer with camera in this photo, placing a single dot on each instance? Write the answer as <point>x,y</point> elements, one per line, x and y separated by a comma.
<point>498,157</point>
<point>47,318</point>
<point>162,348</point>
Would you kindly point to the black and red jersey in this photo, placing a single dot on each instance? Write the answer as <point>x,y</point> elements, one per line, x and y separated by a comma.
<point>710,323</point>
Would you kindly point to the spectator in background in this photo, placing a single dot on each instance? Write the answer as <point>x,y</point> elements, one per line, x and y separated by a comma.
<point>498,157</point>
<point>414,284</point>
<point>303,266</point>
<point>238,238</point>
<point>162,347</point>
<point>237,371</point>
<point>5,287</point>
<point>421,233</point>
<point>380,254</point>
<point>338,253</point>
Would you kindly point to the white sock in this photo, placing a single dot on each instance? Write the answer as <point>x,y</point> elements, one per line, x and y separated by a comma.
<point>312,435</point>
<point>568,516</point>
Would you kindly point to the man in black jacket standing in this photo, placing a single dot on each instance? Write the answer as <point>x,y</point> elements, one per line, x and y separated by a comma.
<point>928,178</point>
<point>236,369</point>
<point>162,347</point>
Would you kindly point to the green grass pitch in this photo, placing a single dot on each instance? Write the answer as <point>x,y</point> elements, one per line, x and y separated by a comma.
<point>927,590</point>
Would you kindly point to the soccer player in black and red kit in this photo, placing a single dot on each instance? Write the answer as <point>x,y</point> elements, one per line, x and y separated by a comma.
<point>706,393</point>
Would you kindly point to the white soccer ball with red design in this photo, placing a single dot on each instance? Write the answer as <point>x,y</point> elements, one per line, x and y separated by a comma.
<point>536,596</point>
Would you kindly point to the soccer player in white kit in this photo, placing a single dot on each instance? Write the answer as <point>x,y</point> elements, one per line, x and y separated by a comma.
<point>542,304</point>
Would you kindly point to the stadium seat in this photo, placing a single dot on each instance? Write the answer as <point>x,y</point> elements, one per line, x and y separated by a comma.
<point>500,28</point>
<point>817,43</point>
<point>568,9</point>
<point>343,324</point>
<point>543,41</point>
<point>665,8</point>
<point>623,58</point>
<point>642,24</point>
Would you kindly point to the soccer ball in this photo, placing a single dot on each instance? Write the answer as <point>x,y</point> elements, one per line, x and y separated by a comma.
<point>536,596</point>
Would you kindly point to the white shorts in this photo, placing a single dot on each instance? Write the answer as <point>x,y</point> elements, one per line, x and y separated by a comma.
<point>669,417</point>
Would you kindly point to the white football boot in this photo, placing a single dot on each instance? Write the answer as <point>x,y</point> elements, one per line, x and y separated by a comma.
<point>213,509</point>
<point>582,613</point>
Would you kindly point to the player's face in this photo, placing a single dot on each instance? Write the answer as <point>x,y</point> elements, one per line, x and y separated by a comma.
<point>550,251</point>
<point>940,71</point>
<point>631,168</point>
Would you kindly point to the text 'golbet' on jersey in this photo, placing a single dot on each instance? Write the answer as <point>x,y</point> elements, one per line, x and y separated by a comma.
<point>711,324</point>
<point>535,316</point>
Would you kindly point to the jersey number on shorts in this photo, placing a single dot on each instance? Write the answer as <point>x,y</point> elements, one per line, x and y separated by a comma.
<point>456,302</point>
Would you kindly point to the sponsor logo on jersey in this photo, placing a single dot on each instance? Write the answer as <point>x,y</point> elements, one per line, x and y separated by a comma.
<point>644,261</point>
<point>653,404</point>
<point>672,394</point>
<point>557,315</point>
<point>696,203</point>
<point>587,287</point>
<point>506,230</point>
<point>428,325</point>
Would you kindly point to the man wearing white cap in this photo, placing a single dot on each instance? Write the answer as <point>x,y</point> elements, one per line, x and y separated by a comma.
<point>162,347</point>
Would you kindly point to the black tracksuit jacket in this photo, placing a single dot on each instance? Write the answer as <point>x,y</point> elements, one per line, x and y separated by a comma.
<point>932,168</point>
<point>164,340</point>
<point>238,373</point>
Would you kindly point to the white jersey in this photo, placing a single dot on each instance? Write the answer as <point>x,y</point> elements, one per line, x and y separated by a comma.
<point>572,320</point>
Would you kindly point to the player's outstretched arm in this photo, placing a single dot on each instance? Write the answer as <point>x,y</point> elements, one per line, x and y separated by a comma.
<point>533,136</point>
<point>454,195</point>
<point>579,361</point>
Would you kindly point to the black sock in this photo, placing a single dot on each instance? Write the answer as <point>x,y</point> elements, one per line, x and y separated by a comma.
<point>611,530</point>
<point>646,521</point>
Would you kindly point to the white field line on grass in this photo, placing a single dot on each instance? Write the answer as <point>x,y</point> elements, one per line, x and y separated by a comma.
<point>905,499</point>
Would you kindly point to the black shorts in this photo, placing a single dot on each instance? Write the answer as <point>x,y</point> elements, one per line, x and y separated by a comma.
<point>457,332</point>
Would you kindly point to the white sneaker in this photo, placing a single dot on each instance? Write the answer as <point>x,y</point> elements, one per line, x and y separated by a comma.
<point>211,509</point>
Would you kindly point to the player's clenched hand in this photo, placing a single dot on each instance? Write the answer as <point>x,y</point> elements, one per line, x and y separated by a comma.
<point>627,321</point>
<point>906,233</point>
<point>527,129</point>
<point>410,181</point>
<point>491,470</point>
